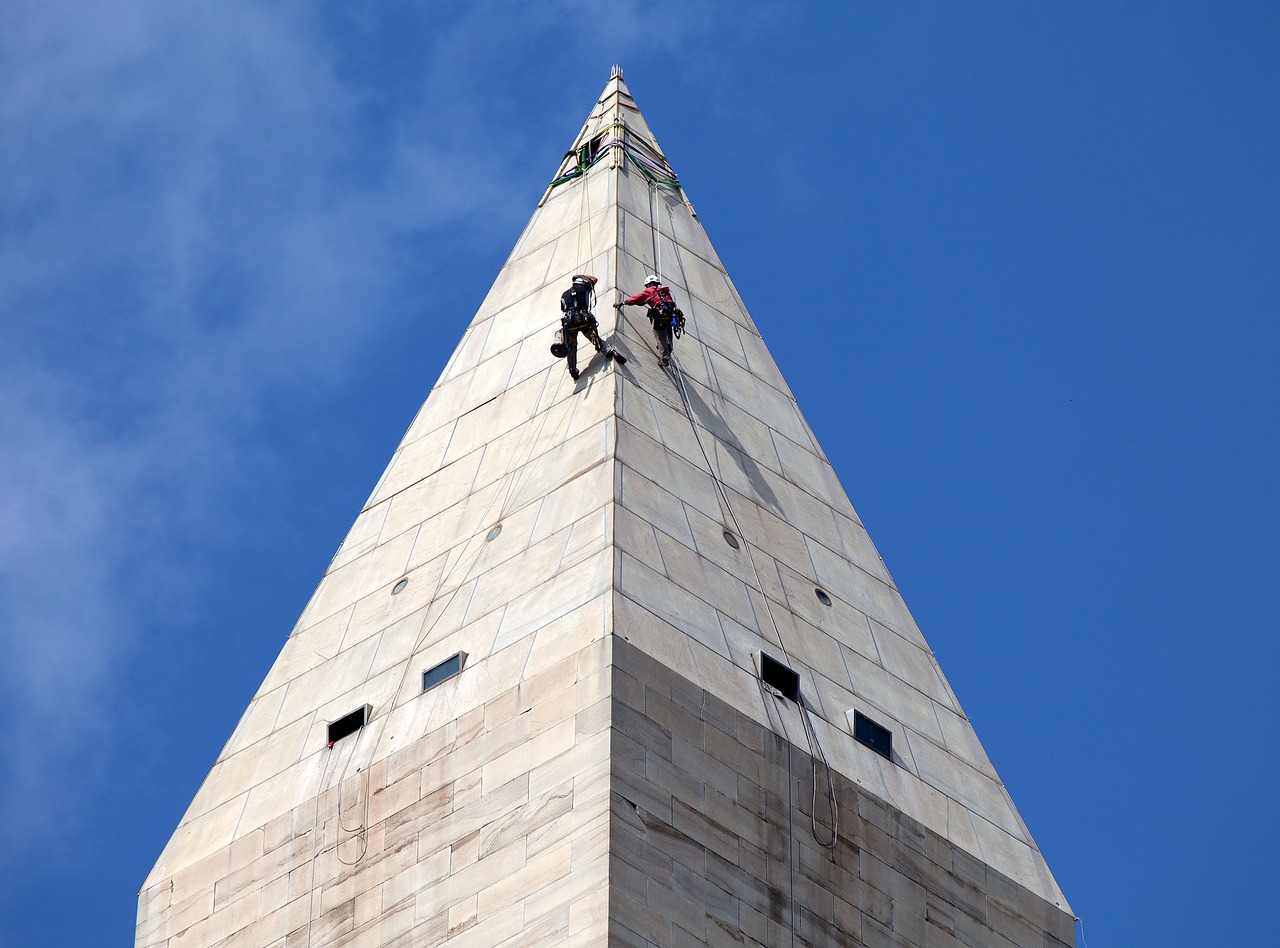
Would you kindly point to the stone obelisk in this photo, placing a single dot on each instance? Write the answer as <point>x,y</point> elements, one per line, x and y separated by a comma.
<point>606,661</point>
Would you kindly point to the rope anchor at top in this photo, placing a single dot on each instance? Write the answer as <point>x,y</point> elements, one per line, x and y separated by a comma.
<point>645,156</point>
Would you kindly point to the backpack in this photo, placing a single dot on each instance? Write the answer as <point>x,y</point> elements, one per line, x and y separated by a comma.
<point>666,309</point>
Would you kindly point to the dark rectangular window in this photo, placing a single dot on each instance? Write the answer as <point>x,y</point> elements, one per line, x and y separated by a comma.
<point>588,152</point>
<point>348,724</point>
<point>879,739</point>
<point>444,671</point>
<point>779,676</point>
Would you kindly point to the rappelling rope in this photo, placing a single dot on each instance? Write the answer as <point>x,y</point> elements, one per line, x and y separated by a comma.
<point>653,232</point>
<point>1083,943</point>
<point>811,736</point>
<point>360,832</point>
<point>791,839</point>
<point>815,751</point>
<point>517,472</point>
<point>646,157</point>
<point>721,492</point>
<point>584,219</point>
<point>584,215</point>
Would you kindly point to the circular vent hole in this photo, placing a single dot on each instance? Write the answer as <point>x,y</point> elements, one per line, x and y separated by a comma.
<point>822,596</point>
<point>493,534</point>
<point>399,587</point>
<point>730,539</point>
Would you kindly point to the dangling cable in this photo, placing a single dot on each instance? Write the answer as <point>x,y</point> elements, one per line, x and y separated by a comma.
<point>654,232</point>
<point>791,839</point>
<point>360,832</point>
<point>583,213</point>
<point>723,495</point>
<point>1083,943</point>
<point>815,751</point>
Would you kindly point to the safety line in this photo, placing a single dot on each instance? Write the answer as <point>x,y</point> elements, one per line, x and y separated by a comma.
<point>1083,942</point>
<point>810,734</point>
<point>652,165</point>
<point>654,233</point>
<point>816,751</point>
<point>722,494</point>
<point>360,832</point>
<point>791,839</point>
<point>728,507</point>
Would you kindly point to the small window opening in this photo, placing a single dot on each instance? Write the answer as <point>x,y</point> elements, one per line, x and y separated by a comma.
<point>493,534</point>
<point>588,152</point>
<point>777,675</point>
<point>868,732</point>
<point>348,724</point>
<point>444,671</point>
<point>822,596</point>
<point>730,539</point>
<point>398,588</point>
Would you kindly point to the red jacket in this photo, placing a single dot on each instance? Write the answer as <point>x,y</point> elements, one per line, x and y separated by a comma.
<point>651,296</point>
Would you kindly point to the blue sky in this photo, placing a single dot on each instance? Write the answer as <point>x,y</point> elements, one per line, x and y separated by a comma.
<point>1017,261</point>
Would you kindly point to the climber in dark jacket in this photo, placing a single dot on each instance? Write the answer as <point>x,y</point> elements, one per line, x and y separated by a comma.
<point>575,307</point>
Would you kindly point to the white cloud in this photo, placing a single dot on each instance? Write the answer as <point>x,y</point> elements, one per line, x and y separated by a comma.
<point>189,220</point>
<point>200,206</point>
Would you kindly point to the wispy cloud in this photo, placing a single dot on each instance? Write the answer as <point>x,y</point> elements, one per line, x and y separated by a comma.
<point>201,207</point>
<point>187,220</point>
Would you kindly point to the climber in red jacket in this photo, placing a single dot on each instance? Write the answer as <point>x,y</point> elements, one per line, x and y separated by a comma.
<point>664,314</point>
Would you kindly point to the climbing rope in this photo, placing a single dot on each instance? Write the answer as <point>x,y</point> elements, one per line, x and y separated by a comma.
<point>642,153</point>
<point>779,700</point>
<point>723,496</point>
<point>811,736</point>
<point>584,220</point>
<point>360,832</point>
<point>1080,923</point>
<point>816,752</point>
<point>830,843</point>
<point>654,232</point>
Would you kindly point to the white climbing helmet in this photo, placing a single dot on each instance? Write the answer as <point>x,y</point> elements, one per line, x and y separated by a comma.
<point>652,280</point>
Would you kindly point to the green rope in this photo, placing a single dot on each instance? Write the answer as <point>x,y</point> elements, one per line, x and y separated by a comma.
<point>584,165</point>
<point>668,182</point>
